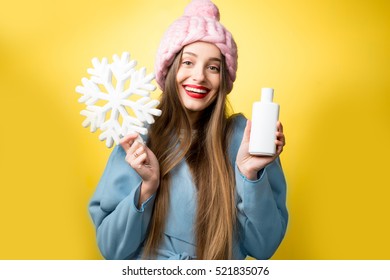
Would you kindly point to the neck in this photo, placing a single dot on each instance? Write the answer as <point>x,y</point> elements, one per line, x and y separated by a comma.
<point>193,116</point>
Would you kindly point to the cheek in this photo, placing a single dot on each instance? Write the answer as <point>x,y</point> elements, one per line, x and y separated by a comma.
<point>216,83</point>
<point>181,75</point>
<point>178,77</point>
<point>213,96</point>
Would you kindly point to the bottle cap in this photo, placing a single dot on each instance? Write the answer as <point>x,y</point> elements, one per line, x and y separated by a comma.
<point>267,94</point>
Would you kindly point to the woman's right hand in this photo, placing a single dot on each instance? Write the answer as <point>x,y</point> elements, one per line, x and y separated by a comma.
<point>144,162</point>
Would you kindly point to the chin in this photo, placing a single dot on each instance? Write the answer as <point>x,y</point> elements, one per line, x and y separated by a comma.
<point>194,107</point>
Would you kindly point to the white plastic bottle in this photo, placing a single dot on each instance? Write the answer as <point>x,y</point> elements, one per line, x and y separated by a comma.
<point>265,115</point>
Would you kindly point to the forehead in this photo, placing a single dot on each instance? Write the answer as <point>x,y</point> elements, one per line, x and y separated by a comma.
<point>202,50</point>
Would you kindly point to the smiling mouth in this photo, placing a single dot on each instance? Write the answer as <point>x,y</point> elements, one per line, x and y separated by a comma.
<point>195,91</point>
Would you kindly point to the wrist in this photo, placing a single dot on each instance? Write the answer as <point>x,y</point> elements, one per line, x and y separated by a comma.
<point>148,188</point>
<point>248,173</point>
<point>252,176</point>
<point>151,183</point>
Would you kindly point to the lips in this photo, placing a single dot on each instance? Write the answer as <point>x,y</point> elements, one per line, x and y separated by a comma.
<point>196,91</point>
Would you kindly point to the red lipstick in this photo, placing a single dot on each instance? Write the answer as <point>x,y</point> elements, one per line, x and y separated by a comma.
<point>196,91</point>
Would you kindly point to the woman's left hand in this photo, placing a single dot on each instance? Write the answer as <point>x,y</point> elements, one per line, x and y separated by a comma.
<point>249,165</point>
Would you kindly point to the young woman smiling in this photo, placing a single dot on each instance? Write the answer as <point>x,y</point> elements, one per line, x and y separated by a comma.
<point>192,191</point>
<point>198,77</point>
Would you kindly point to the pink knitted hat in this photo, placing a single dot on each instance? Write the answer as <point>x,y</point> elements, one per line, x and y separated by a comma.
<point>200,22</point>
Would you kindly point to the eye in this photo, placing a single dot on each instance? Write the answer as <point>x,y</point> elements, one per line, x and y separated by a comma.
<point>214,68</point>
<point>187,62</point>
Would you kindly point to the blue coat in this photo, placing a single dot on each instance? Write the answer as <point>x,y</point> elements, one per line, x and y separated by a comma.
<point>121,227</point>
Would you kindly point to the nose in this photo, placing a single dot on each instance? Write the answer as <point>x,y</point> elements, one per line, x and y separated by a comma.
<point>198,73</point>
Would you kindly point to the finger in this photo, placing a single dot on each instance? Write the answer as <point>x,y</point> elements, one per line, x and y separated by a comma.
<point>280,136</point>
<point>279,146</point>
<point>279,150</point>
<point>128,140</point>
<point>139,161</point>
<point>139,151</point>
<point>134,159</point>
<point>145,151</point>
<point>247,131</point>
<point>279,126</point>
<point>279,143</point>
<point>131,154</point>
<point>133,147</point>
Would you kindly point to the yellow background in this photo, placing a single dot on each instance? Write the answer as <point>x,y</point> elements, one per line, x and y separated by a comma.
<point>327,60</point>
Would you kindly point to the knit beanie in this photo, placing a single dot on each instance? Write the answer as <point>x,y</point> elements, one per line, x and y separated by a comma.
<point>200,22</point>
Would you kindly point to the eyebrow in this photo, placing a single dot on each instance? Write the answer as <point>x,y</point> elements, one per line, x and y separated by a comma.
<point>211,58</point>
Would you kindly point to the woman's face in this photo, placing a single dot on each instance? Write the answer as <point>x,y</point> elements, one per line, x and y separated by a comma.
<point>198,76</point>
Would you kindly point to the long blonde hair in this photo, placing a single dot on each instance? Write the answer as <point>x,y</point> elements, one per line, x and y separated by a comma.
<point>206,153</point>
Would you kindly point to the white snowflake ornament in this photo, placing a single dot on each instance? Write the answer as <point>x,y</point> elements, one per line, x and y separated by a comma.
<point>110,95</point>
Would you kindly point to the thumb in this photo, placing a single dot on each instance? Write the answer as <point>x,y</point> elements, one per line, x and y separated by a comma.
<point>247,131</point>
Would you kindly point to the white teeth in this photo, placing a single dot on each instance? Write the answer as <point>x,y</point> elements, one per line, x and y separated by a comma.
<point>196,90</point>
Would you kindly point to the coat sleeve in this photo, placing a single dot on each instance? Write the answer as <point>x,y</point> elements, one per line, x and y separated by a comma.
<point>261,204</point>
<point>262,212</point>
<point>120,226</point>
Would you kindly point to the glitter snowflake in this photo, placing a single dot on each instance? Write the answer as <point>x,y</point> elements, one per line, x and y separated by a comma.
<point>110,96</point>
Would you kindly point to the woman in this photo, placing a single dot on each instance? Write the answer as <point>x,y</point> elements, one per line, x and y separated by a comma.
<point>192,191</point>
